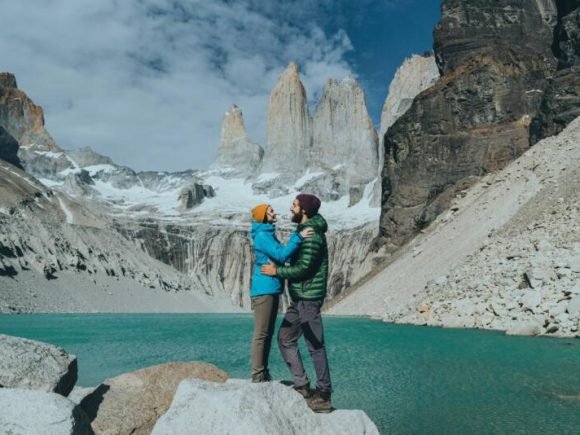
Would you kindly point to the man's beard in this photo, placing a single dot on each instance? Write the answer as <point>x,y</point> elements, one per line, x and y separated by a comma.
<point>297,217</point>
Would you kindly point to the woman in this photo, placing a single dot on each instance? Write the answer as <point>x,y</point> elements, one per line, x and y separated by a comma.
<point>265,290</point>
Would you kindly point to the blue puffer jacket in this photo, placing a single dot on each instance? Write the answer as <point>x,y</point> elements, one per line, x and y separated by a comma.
<point>268,248</point>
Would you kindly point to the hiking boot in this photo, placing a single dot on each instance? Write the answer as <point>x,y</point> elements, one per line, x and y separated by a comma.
<point>262,377</point>
<point>320,401</point>
<point>304,390</point>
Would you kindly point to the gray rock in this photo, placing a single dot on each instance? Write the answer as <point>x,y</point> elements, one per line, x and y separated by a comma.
<point>240,407</point>
<point>531,300</point>
<point>85,156</point>
<point>537,276</point>
<point>34,365</point>
<point>562,319</point>
<point>194,195</point>
<point>558,309</point>
<point>575,264</point>
<point>573,307</point>
<point>563,272</point>
<point>497,308</point>
<point>328,186</point>
<point>131,403</point>
<point>524,328</point>
<point>26,412</point>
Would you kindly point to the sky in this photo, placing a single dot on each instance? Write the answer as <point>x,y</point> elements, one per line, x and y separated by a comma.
<point>147,82</point>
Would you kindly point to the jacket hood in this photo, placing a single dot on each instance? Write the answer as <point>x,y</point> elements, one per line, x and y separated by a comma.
<point>317,222</point>
<point>259,227</point>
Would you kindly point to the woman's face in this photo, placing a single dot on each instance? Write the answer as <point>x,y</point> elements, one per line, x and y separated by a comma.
<point>270,215</point>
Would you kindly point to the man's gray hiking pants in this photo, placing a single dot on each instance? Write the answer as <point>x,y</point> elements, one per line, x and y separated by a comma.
<point>304,318</point>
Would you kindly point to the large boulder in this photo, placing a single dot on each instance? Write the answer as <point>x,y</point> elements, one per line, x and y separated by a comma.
<point>240,407</point>
<point>33,365</point>
<point>131,403</point>
<point>25,412</point>
<point>194,195</point>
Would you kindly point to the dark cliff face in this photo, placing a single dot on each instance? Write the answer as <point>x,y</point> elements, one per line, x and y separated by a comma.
<point>8,145</point>
<point>517,31</point>
<point>8,148</point>
<point>496,59</point>
<point>561,101</point>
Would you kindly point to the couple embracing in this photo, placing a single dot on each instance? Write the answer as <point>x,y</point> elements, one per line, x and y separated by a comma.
<point>307,273</point>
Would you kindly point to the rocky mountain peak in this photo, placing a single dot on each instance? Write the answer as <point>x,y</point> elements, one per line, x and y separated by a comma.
<point>292,68</point>
<point>8,80</point>
<point>289,123</point>
<point>233,129</point>
<point>343,132</point>
<point>416,74</point>
<point>21,118</point>
<point>235,149</point>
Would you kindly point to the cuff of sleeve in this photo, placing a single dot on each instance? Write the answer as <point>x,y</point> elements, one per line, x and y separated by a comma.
<point>280,272</point>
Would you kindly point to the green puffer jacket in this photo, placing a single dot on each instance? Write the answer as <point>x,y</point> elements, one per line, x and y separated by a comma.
<point>308,270</point>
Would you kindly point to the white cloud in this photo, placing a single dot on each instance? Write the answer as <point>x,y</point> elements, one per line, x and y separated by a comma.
<point>147,81</point>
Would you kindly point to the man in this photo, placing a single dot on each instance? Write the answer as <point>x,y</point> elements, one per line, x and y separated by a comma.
<point>307,275</point>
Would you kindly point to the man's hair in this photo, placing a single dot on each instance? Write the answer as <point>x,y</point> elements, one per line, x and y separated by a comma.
<point>309,203</point>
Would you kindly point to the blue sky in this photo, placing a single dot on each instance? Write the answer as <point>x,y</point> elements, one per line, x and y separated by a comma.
<point>147,81</point>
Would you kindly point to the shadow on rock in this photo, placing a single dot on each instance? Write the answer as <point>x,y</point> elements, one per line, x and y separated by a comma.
<point>91,403</point>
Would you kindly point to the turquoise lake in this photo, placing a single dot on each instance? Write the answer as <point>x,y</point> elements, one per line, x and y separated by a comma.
<point>409,380</point>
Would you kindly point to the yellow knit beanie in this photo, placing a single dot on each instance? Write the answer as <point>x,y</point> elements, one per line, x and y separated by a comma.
<point>259,212</point>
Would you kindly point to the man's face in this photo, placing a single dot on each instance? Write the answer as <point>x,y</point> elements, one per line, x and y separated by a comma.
<point>297,212</point>
<point>270,215</point>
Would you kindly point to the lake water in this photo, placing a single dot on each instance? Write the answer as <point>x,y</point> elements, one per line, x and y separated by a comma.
<point>409,380</point>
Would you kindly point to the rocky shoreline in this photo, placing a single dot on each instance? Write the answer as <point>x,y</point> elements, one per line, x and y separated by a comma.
<point>38,395</point>
<point>505,256</point>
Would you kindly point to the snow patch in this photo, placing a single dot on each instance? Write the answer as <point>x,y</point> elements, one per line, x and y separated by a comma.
<point>49,154</point>
<point>67,213</point>
<point>237,196</point>
<point>267,176</point>
<point>50,183</point>
<point>165,202</point>
<point>306,178</point>
<point>93,169</point>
